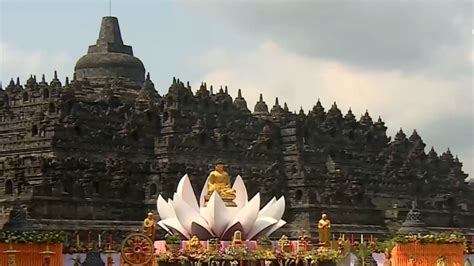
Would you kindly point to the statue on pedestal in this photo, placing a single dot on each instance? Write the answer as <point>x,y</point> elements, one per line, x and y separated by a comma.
<point>237,239</point>
<point>194,245</point>
<point>149,226</point>
<point>324,227</point>
<point>219,181</point>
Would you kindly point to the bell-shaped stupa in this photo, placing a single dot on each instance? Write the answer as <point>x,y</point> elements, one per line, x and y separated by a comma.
<point>109,58</point>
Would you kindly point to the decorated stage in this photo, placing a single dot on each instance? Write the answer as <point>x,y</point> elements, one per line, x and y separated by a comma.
<point>230,231</point>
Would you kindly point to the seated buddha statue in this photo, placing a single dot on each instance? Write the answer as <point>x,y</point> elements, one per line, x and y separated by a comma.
<point>194,245</point>
<point>219,181</point>
<point>237,239</point>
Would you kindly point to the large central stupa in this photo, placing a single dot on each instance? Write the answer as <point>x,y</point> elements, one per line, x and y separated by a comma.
<point>109,58</point>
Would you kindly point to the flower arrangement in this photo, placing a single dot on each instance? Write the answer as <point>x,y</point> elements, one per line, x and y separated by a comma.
<point>323,254</point>
<point>264,242</point>
<point>171,257</point>
<point>439,238</point>
<point>172,239</point>
<point>263,254</point>
<point>242,253</point>
<point>213,241</point>
<point>213,244</point>
<point>173,243</point>
<point>31,237</point>
<point>237,253</point>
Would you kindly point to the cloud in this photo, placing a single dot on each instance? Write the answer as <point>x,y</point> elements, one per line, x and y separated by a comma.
<point>16,62</point>
<point>440,109</point>
<point>389,35</point>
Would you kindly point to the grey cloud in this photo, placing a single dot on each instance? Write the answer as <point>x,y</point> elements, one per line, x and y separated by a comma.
<point>448,131</point>
<point>454,133</point>
<point>401,35</point>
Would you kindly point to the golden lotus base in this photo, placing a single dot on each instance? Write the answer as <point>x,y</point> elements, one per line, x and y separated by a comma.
<point>227,201</point>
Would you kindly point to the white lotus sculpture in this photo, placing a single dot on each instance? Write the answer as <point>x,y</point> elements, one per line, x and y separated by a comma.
<point>185,216</point>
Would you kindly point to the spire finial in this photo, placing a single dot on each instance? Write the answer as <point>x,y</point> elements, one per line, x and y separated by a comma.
<point>110,33</point>
<point>55,74</point>
<point>67,81</point>
<point>226,91</point>
<point>239,94</point>
<point>261,98</point>
<point>43,79</point>
<point>276,101</point>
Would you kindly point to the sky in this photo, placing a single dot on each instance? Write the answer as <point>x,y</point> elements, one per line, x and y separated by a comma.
<point>409,62</point>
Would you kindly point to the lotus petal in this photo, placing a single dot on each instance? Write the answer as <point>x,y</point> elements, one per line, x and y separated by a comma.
<point>203,194</point>
<point>241,198</point>
<point>269,203</point>
<point>228,234</point>
<point>172,225</point>
<point>186,192</point>
<point>187,215</point>
<point>260,224</point>
<point>275,210</point>
<point>165,210</point>
<point>203,212</point>
<point>273,228</point>
<point>217,214</point>
<point>200,231</point>
<point>246,216</point>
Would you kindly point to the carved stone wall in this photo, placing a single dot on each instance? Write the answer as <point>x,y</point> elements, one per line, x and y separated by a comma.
<point>104,148</point>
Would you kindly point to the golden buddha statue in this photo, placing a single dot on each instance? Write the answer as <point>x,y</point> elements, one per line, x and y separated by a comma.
<point>194,245</point>
<point>324,227</point>
<point>149,226</point>
<point>219,181</point>
<point>237,239</point>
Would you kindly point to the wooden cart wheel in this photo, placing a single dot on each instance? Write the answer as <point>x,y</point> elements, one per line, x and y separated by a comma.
<point>137,248</point>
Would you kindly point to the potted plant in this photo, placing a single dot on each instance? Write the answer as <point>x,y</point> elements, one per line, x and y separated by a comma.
<point>326,257</point>
<point>213,244</point>
<point>173,242</point>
